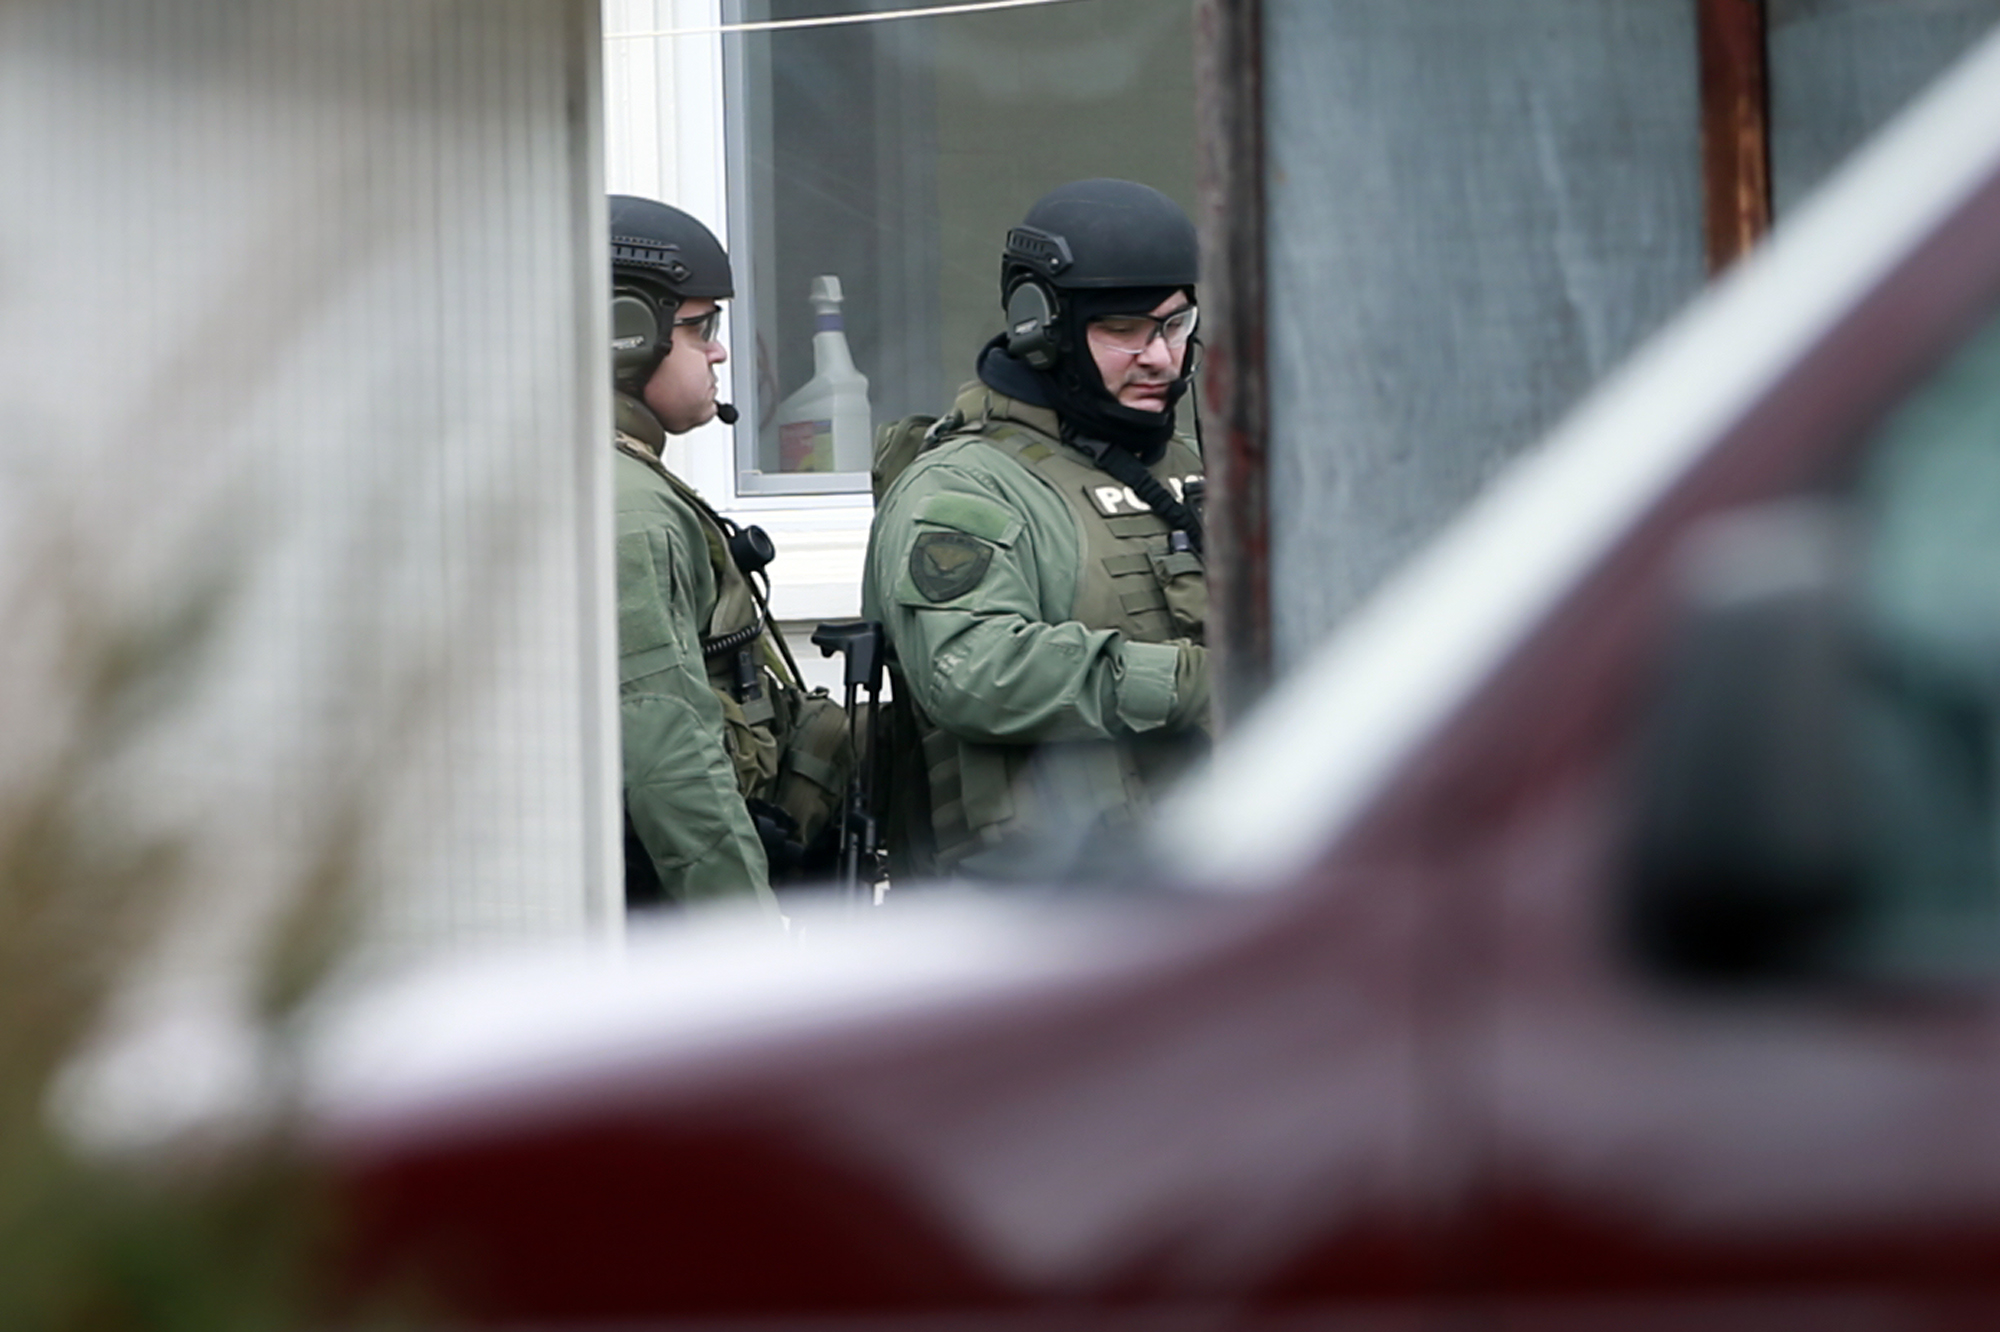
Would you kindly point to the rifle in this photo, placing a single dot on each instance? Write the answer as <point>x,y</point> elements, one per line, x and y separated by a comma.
<point>866,648</point>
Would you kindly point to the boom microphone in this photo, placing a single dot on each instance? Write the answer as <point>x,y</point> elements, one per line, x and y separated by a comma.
<point>725,413</point>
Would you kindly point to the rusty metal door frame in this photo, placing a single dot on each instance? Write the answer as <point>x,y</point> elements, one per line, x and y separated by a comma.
<point>1735,128</point>
<point>1229,180</point>
<point>1235,378</point>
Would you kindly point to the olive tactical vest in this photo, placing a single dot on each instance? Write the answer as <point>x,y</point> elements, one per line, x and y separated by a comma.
<point>789,747</point>
<point>1136,576</point>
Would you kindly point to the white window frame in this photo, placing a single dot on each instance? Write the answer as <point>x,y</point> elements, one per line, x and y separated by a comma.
<point>666,138</point>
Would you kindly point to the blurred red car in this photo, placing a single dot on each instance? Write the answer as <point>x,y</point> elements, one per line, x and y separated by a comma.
<point>1601,932</point>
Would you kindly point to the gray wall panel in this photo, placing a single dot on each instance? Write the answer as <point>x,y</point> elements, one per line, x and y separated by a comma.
<point>1474,211</point>
<point>1840,69</point>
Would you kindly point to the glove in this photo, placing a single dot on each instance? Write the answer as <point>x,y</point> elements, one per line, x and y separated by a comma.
<point>779,833</point>
<point>1190,709</point>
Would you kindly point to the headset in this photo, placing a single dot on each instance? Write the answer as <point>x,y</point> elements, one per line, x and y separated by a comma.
<point>642,334</point>
<point>1034,313</point>
<point>1034,310</point>
<point>636,344</point>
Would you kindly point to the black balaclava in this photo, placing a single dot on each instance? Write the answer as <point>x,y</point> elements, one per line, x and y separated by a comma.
<point>1074,388</point>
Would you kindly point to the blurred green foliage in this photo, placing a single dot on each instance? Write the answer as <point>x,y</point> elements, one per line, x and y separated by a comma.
<point>217,1236</point>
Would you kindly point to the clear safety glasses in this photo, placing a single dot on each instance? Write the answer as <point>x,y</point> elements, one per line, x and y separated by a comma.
<point>704,325</point>
<point>1133,333</point>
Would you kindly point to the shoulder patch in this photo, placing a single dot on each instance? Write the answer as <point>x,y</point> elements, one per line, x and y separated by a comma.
<point>970,514</point>
<point>947,565</point>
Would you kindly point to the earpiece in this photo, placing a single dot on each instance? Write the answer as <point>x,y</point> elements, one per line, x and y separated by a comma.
<point>1032,311</point>
<point>635,337</point>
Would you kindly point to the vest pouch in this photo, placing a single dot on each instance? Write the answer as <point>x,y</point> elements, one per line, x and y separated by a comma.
<point>1060,800</point>
<point>898,443</point>
<point>817,763</point>
<point>1184,583</point>
<point>753,748</point>
<point>1037,790</point>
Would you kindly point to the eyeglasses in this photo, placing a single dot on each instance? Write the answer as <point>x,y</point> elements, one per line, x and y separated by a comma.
<point>1133,333</point>
<point>704,325</point>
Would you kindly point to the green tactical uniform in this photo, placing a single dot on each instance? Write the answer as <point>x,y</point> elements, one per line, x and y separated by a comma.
<point>691,752</point>
<point>1049,630</point>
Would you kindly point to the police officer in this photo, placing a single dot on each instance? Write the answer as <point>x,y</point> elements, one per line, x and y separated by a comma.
<point>1038,565</point>
<point>703,715</point>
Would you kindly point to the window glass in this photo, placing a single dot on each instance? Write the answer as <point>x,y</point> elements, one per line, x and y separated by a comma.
<point>874,170</point>
<point>1821,782</point>
<point>1929,497</point>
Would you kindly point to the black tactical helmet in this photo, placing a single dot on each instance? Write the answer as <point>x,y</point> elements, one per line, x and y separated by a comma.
<point>1102,233</point>
<point>663,246</point>
<point>1084,248</point>
<point>660,257</point>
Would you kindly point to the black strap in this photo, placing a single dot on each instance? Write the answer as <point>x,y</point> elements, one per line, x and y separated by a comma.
<point>1122,466</point>
<point>716,646</point>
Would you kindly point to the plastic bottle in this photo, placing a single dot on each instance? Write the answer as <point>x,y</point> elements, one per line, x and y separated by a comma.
<point>826,425</point>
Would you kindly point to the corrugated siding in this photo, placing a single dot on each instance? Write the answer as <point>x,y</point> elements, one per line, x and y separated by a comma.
<point>301,298</point>
<point>1474,210</point>
<point>1840,69</point>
